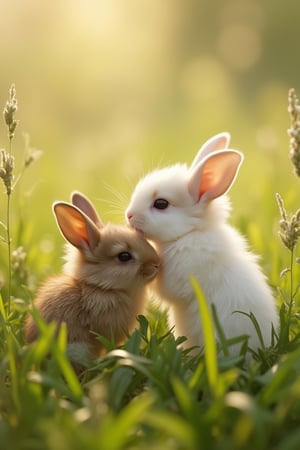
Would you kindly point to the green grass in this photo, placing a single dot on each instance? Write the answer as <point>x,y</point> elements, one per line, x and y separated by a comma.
<point>148,393</point>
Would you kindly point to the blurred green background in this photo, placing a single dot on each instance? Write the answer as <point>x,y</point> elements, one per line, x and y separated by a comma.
<point>111,89</point>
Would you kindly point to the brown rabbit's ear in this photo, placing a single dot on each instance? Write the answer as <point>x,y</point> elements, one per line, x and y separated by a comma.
<point>215,174</point>
<point>84,204</point>
<point>75,226</point>
<point>218,142</point>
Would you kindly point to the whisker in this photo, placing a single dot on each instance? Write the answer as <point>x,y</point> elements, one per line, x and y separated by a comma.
<point>119,203</point>
<point>109,201</point>
<point>130,184</point>
<point>120,196</point>
<point>112,204</point>
<point>115,213</point>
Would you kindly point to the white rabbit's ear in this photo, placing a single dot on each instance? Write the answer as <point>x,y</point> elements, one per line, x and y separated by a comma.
<point>214,175</point>
<point>84,204</point>
<point>218,142</point>
<point>75,226</point>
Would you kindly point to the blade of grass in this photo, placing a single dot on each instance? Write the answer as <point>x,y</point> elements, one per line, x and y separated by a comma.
<point>3,320</point>
<point>220,331</point>
<point>2,308</point>
<point>210,348</point>
<point>14,375</point>
<point>59,353</point>
<point>56,346</point>
<point>115,431</point>
<point>256,326</point>
<point>174,426</point>
<point>194,381</point>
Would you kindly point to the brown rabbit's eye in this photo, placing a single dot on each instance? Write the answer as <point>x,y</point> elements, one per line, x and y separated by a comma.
<point>160,203</point>
<point>124,256</point>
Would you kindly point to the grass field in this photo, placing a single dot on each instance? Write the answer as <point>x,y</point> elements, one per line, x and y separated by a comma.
<point>148,393</point>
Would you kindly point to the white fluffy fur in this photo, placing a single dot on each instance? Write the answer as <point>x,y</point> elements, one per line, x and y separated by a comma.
<point>229,277</point>
<point>193,238</point>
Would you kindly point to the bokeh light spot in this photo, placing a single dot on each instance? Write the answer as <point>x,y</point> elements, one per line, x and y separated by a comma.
<point>240,46</point>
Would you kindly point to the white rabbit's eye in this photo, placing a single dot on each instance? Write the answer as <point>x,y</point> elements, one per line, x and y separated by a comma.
<point>124,256</point>
<point>160,203</point>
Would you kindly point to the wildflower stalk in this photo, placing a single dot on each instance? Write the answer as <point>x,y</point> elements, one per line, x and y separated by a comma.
<point>6,173</point>
<point>7,165</point>
<point>294,130</point>
<point>289,234</point>
<point>9,282</point>
<point>290,228</point>
<point>292,294</point>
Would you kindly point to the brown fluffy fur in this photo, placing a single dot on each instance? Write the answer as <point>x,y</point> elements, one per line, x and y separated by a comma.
<point>96,293</point>
<point>85,309</point>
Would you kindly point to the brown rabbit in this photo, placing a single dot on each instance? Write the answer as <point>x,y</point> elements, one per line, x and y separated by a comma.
<point>103,284</point>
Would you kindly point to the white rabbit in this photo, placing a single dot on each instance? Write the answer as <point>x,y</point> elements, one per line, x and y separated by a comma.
<point>183,211</point>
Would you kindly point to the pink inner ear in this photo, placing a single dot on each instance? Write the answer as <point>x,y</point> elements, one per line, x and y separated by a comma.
<point>81,231</point>
<point>209,180</point>
<point>76,227</point>
<point>215,174</point>
<point>215,143</point>
<point>71,224</point>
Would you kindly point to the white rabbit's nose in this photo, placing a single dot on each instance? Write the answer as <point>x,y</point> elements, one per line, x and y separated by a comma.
<point>134,219</point>
<point>129,217</point>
